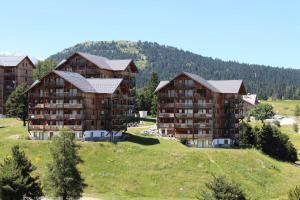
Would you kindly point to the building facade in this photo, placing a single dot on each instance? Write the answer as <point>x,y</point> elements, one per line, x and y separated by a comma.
<point>14,70</point>
<point>88,94</point>
<point>206,113</point>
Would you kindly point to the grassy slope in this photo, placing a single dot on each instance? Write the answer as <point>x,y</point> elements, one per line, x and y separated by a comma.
<point>147,168</point>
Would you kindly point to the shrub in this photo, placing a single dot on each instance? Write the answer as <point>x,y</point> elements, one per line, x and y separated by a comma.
<point>295,127</point>
<point>294,194</point>
<point>248,137</point>
<point>277,123</point>
<point>221,189</point>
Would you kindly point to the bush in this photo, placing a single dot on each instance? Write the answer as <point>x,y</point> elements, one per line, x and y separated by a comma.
<point>294,194</point>
<point>184,141</point>
<point>277,123</point>
<point>221,189</point>
<point>276,144</point>
<point>248,137</point>
<point>295,127</point>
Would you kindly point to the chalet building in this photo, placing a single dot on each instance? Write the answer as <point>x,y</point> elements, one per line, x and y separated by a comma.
<point>85,105</point>
<point>205,112</point>
<point>14,70</point>
<point>92,66</point>
<point>91,95</point>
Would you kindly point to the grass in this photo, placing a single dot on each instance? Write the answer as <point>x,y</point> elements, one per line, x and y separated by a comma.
<point>147,168</point>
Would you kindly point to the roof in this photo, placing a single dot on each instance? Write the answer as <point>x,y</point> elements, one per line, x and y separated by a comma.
<point>219,86</point>
<point>104,63</point>
<point>105,86</point>
<point>10,60</point>
<point>250,98</point>
<point>77,80</point>
<point>227,86</point>
<point>161,85</point>
<point>88,85</point>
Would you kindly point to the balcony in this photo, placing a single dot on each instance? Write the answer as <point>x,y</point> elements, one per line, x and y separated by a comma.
<point>72,116</point>
<point>203,125</point>
<point>54,116</point>
<point>119,106</point>
<point>183,115</point>
<point>184,105</point>
<point>54,105</point>
<point>166,105</point>
<point>183,125</point>
<point>183,86</point>
<point>54,84</point>
<point>203,115</point>
<point>40,105</point>
<point>77,105</point>
<point>35,127</point>
<point>165,114</point>
<point>203,105</point>
<point>165,125</point>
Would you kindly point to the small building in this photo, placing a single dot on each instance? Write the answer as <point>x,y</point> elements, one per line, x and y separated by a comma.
<point>206,113</point>
<point>14,70</point>
<point>250,101</point>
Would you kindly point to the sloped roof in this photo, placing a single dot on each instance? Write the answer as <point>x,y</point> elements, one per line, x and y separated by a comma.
<point>89,85</point>
<point>103,63</point>
<point>10,60</point>
<point>77,80</point>
<point>250,98</point>
<point>105,86</point>
<point>219,86</point>
<point>227,86</point>
<point>161,85</point>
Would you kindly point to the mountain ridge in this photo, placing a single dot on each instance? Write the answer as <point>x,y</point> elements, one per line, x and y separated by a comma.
<point>168,61</point>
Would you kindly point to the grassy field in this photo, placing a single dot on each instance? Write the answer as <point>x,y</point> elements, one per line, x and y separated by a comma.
<point>148,168</point>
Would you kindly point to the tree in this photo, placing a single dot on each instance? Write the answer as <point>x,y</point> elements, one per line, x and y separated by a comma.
<point>221,189</point>
<point>154,105</point>
<point>149,96</point>
<point>297,111</point>
<point>276,144</point>
<point>295,127</point>
<point>294,194</point>
<point>42,68</point>
<point>16,181</point>
<point>63,176</point>
<point>17,104</point>
<point>262,111</point>
<point>249,136</point>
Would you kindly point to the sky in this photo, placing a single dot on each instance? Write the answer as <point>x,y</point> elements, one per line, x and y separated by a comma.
<point>257,31</point>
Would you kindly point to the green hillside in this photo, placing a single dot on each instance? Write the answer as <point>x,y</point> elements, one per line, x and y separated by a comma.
<point>148,168</point>
<point>168,61</point>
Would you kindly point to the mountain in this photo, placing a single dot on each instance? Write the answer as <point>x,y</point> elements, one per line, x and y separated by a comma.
<point>168,61</point>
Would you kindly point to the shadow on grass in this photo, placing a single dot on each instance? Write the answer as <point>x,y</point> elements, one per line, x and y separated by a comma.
<point>139,139</point>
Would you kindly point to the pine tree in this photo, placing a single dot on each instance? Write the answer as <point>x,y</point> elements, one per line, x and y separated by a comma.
<point>63,177</point>
<point>42,68</point>
<point>297,111</point>
<point>221,189</point>
<point>15,179</point>
<point>17,104</point>
<point>149,96</point>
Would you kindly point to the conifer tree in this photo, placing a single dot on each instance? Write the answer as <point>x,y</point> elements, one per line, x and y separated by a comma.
<point>17,104</point>
<point>16,181</point>
<point>63,177</point>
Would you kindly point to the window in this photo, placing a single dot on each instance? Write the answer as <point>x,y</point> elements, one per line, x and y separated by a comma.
<point>225,141</point>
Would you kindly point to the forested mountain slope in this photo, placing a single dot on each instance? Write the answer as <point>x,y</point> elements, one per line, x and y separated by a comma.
<point>266,81</point>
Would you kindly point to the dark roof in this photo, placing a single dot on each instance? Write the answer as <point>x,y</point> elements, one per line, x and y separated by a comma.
<point>10,60</point>
<point>88,85</point>
<point>219,86</point>
<point>104,63</point>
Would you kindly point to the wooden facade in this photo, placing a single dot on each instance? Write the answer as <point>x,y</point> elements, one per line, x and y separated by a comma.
<point>11,76</point>
<point>189,109</point>
<point>56,103</point>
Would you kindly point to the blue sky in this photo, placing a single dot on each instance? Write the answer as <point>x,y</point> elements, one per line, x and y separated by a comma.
<point>256,31</point>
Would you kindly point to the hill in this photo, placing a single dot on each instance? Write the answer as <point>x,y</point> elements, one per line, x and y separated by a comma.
<point>266,81</point>
<point>149,168</point>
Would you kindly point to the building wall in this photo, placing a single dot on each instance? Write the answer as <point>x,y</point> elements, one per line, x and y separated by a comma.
<point>13,76</point>
<point>187,109</point>
<point>55,104</point>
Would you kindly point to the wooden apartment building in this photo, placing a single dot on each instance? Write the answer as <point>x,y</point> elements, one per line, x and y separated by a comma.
<point>205,112</point>
<point>85,93</point>
<point>14,70</point>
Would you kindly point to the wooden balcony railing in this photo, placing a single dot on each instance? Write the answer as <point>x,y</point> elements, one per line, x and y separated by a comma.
<point>165,125</point>
<point>183,125</point>
<point>165,114</point>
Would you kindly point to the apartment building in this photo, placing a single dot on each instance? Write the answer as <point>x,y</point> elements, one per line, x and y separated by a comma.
<point>206,113</point>
<point>89,94</point>
<point>14,70</point>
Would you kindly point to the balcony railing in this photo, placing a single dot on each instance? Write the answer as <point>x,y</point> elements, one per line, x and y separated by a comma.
<point>165,125</point>
<point>203,125</point>
<point>54,95</point>
<point>183,125</point>
<point>36,127</point>
<point>203,115</point>
<point>166,105</point>
<point>183,115</point>
<point>184,105</point>
<point>165,114</point>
